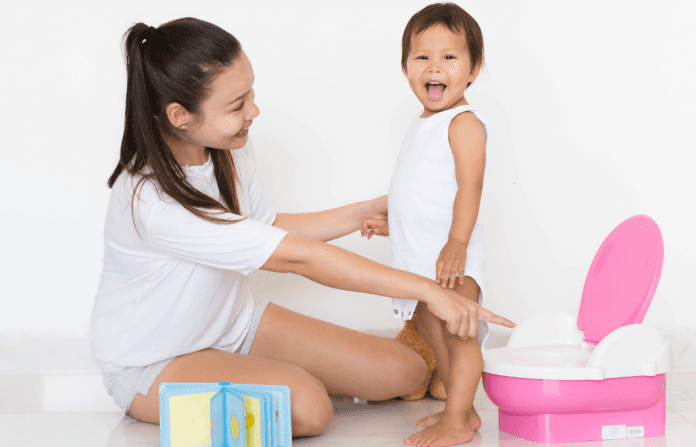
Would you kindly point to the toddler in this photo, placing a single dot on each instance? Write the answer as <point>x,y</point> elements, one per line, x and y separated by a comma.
<point>434,202</point>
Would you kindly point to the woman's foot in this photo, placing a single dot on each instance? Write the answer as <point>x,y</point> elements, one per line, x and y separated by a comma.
<point>443,433</point>
<point>472,418</point>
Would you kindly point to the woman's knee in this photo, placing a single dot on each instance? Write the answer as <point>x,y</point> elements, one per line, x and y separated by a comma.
<point>411,374</point>
<point>145,409</point>
<point>399,372</point>
<point>312,409</point>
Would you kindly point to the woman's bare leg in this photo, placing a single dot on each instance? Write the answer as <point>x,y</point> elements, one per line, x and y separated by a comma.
<point>347,362</point>
<point>309,356</point>
<point>311,408</point>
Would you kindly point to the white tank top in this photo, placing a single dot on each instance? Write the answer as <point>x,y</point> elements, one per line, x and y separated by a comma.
<point>421,196</point>
<point>421,204</point>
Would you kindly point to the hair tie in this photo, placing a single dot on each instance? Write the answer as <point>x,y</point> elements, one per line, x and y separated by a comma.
<point>151,32</point>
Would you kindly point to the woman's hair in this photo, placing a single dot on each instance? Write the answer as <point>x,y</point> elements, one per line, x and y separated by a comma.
<point>455,19</point>
<point>174,63</point>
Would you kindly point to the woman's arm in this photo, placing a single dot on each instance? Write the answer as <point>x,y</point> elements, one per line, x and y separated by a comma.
<point>331,224</point>
<point>334,267</point>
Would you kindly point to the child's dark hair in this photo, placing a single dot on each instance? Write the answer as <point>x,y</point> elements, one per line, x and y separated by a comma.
<point>455,19</point>
<point>174,63</point>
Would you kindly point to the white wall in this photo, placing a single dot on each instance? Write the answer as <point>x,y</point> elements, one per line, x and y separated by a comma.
<point>592,110</point>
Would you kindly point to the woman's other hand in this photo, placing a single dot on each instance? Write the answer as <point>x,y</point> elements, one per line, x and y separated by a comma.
<point>374,226</point>
<point>460,314</point>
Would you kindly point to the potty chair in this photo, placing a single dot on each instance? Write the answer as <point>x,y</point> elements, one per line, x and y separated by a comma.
<point>602,377</point>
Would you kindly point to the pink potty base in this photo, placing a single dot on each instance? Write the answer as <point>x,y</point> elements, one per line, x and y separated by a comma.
<point>579,410</point>
<point>626,397</point>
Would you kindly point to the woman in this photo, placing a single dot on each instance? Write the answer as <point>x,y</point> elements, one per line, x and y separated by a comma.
<point>187,221</point>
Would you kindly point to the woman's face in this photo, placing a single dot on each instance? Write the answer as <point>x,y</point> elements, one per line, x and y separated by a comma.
<point>229,109</point>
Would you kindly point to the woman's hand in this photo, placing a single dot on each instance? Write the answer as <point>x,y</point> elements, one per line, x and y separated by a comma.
<point>461,314</point>
<point>451,262</point>
<point>338,268</point>
<point>374,226</point>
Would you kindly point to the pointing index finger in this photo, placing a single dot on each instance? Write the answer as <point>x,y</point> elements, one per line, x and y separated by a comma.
<point>487,315</point>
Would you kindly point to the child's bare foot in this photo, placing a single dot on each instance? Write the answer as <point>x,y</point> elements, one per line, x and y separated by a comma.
<point>443,433</point>
<point>472,418</point>
<point>430,420</point>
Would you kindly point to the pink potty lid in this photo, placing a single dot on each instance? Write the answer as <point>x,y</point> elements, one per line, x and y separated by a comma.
<point>622,279</point>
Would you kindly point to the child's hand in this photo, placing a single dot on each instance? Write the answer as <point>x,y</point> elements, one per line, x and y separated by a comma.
<point>375,226</point>
<point>451,261</point>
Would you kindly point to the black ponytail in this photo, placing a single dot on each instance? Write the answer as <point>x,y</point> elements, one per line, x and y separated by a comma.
<point>173,63</point>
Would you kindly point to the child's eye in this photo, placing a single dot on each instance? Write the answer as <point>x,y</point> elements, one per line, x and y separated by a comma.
<point>449,57</point>
<point>239,108</point>
<point>422,57</point>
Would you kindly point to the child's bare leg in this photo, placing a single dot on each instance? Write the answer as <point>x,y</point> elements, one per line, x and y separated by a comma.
<point>430,328</point>
<point>463,363</point>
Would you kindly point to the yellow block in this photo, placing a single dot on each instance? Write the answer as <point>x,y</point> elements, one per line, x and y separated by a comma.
<point>252,407</point>
<point>189,419</point>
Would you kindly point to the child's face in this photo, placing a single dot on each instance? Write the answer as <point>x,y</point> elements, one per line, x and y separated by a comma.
<point>439,56</point>
<point>229,108</point>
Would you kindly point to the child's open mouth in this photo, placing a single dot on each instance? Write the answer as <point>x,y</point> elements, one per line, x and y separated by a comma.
<point>435,90</point>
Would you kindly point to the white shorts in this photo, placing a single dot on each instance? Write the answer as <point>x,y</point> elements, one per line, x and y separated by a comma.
<point>124,384</point>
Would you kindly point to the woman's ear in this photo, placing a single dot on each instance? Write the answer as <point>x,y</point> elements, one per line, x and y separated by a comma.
<point>177,115</point>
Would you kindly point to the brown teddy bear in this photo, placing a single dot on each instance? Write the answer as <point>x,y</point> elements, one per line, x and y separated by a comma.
<point>433,384</point>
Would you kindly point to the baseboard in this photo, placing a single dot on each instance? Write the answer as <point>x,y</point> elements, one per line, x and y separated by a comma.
<point>58,353</point>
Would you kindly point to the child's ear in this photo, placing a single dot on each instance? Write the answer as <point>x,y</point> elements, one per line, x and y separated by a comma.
<point>403,70</point>
<point>475,72</point>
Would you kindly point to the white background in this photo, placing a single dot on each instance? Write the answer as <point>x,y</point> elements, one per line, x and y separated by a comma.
<point>592,119</point>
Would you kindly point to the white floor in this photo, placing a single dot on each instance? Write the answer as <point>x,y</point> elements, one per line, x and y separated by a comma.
<point>51,395</point>
<point>41,410</point>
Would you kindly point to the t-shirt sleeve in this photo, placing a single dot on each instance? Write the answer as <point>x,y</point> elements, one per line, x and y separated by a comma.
<point>259,207</point>
<point>243,246</point>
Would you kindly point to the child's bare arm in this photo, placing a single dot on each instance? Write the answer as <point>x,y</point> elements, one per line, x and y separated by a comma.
<point>468,142</point>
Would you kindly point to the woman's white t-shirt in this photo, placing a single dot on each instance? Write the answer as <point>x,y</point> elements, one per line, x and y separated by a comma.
<point>180,285</point>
